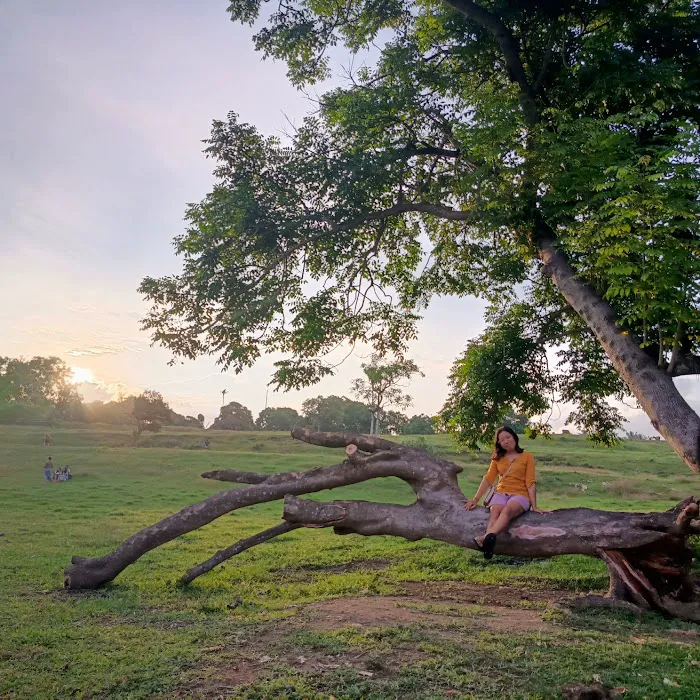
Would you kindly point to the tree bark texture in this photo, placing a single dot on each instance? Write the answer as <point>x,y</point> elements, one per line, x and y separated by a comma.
<point>646,553</point>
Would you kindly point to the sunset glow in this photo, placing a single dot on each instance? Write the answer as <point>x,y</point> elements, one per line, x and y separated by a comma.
<point>80,375</point>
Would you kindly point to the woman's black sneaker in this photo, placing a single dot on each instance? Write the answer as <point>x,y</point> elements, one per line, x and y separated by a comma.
<point>489,545</point>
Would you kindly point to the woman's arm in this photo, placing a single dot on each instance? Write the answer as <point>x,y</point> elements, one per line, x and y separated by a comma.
<point>532,493</point>
<point>530,480</point>
<point>483,488</point>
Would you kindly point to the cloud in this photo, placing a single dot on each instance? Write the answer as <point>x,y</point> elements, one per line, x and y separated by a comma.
<point>82,309</point>
<point>95,350</point>
<point>134,315</point>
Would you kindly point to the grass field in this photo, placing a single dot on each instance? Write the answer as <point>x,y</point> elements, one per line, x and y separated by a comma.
<point>311,615</point>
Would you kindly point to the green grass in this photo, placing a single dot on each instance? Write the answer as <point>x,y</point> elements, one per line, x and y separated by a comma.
<point>142,636</point>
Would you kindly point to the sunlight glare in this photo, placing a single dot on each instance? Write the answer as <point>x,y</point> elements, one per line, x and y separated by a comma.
<point>80,375</point>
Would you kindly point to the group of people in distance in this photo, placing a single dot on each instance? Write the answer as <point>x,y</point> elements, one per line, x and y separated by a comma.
<point>58,474</point>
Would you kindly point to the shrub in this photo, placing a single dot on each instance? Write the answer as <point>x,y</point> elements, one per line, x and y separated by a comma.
<point>626,488</point>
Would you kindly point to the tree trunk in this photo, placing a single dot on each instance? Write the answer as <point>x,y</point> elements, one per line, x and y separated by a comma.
<point>655,390</point>
<point>646,553</point>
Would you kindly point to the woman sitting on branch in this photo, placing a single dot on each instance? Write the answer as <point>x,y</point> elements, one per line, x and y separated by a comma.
<point>516,491</point>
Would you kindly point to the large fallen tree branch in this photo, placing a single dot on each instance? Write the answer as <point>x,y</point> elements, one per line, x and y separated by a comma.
<point>646,553</point>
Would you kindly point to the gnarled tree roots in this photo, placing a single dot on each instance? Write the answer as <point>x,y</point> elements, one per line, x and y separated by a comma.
<point>646,553</point>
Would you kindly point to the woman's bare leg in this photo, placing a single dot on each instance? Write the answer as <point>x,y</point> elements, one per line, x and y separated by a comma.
<point>511,511</point>
<point>493,516</point>
<point>495,512</point>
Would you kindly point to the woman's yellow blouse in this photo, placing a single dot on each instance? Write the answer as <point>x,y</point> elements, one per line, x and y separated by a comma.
<point>520,477</point>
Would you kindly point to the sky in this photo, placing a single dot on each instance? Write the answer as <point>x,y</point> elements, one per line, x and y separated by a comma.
<point>105,106</point>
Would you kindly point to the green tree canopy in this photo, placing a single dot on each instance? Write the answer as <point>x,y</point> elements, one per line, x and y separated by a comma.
<point>42,382</point>
<point>233,416</point>
<point>150,411</point>
<point>336,413</point>
<point>110,412</point>
<point>543,156</point>
<point>121,411</point>
<point>392,422</point>
<point>418,425</point>
<point>282,418</point>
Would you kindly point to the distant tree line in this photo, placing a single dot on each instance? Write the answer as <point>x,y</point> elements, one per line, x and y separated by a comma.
<point>39,391</point>
<point>323,413</point>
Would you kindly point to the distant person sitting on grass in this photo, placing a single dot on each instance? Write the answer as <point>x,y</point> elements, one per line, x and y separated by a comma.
<point>48,470</point>
<point>516,492</point>
<point>62,474</point>
<point>67,476</point>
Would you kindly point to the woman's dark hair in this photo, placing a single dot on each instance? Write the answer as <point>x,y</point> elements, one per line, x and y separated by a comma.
<point>498,451</point>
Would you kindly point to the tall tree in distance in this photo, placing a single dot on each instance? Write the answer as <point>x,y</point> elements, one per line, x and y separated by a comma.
<point>382,387</point>
<point>150,412</point>
<point>393,422</point>
<point>543,156</point>
<point>277,419</point>
<point>39,383</point>
<point>418,425</point>
<point>233,416</point>
<point>336,413</point>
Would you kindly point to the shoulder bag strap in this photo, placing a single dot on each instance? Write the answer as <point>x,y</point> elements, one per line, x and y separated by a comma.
<point>507,472</point>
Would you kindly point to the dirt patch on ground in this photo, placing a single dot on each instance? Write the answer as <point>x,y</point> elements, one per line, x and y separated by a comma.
<point>479,594</point>
<point>255,655</point>
<point>225,679</point>
<point>366,613</point>
<point>685,636</point>
<point>444,609</point>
